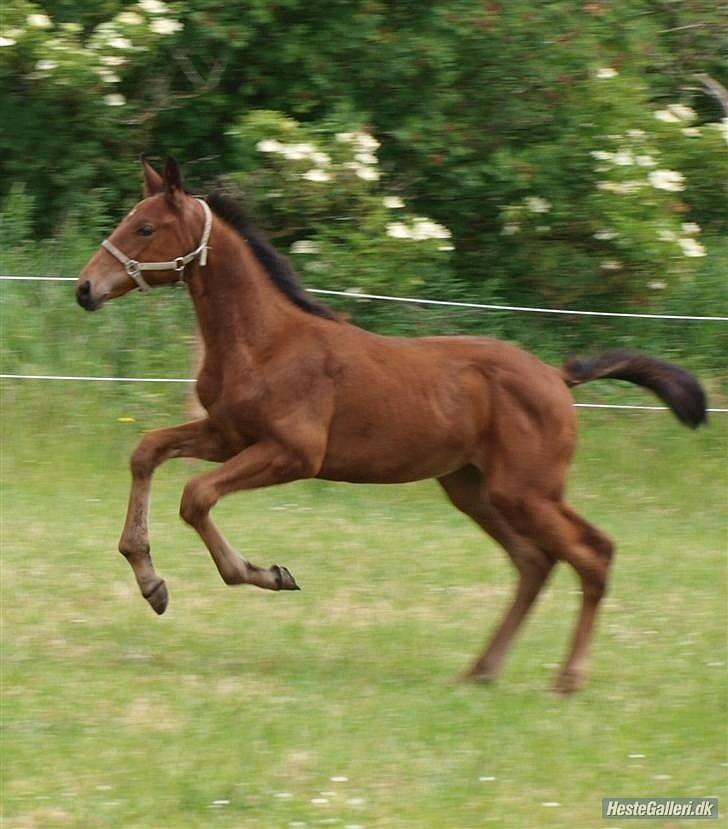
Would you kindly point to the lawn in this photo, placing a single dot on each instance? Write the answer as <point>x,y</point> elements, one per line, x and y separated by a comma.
<point>336,706</point>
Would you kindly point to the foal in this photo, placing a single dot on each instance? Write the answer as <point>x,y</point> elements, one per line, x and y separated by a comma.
<point>293,392</point>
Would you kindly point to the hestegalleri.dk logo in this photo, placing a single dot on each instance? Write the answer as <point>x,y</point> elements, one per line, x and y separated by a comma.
<point>676,808</point>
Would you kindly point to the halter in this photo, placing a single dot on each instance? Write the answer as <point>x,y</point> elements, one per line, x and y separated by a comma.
<point>134,268</point>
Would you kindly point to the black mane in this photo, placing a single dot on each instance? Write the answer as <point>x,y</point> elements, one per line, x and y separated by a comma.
<point>278,268</point>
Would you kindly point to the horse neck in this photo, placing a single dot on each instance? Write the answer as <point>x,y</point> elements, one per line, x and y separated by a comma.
<point>239,309</point>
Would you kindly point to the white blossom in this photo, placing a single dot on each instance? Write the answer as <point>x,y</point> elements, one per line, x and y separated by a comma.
<point>113,60</point>
<point>269,145</point>
<point>691,247</point>
<point>304,246</point>
<point>606,72</point>
<point>427,229</point>
<point>623,158</point>
<point>636,134</point>
<point>165,26</point>
<point>315,174</point>
<point>656,285</point>
<point>39,21</point>
<point>153,6</point>
<point>7,41</point>
<point>108,76</point>
<point>366,173</point>
<point>345,137</point>
<point>130,18</point>
<point>611,265</point>
<point>398,230</point>
<point>621,187</point>
<point>114,100</point>
<point>320,159</point>
<point>606,235</point>
<point>645,161</point>
<point>537,205</point>
<point>365,141</point>
<point>46,65</point>
<point>666,180</point>
<point>366,158</point>
<point>682,112</point>
<point>446,247</point>
<point>691,132</point>
<point>120,43</point>
<point>510,229</point>
<point>602,155</point>
<point>666,115</point>
<point>393,202</point>
<point>690,228</point>
<point>667,235</point>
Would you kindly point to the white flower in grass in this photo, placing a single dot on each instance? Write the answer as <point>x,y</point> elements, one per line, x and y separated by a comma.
<point>165,26</point>
<point>645,161</point>
<point>690,228</point>
<point>427,229</point>
<point>365,141</point>
<point>623,158</point>
<point>393,202</point>
<point>108,76</point>
<point>130,18</point>
<point>320,159</point>
<point>46,65</point>
<point>691,247</point>
<point>537,205</point>
<point>304,246</point>
<point>120,43</point>
<point>666,116</point>
<point>39,21</point>
<point>655,285</point>
<point>446,247</point>
<point>602,155</point>
<point>510,229</point>
<point>682,112</point>
<point>605,73</point>
<point>345,137</point>
<point>669,180</point>
<point>691,132</point>
<point>398,230</point>
<point>153,6</point>
<point>269,145</point>
<point>315,174</point>
<point>114,100</point>
<point>606,235</point>
<point>636,134</point>
<point>7,41</point>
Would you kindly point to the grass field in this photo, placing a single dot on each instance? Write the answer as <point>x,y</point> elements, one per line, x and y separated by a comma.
<point>335,705</point>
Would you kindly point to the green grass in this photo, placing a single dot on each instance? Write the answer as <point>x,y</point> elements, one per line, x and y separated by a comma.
<point>113,717</point>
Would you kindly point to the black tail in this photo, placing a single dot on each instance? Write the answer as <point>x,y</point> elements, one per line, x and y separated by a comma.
<point>677,387</point>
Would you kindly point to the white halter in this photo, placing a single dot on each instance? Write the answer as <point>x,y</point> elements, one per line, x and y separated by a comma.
<point>134,268</point>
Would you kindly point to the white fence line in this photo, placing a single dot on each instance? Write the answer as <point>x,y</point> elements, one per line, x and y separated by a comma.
<point>446,303</point>
<point>70,377</point>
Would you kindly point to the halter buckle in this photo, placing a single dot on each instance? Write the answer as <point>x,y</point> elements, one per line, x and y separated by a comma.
<point>132,267</point>
<point>179,264</point>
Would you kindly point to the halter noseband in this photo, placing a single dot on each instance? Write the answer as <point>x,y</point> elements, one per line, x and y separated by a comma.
<point>134,268</point>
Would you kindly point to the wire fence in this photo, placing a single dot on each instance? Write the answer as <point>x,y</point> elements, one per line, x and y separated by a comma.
<point>386,298</point>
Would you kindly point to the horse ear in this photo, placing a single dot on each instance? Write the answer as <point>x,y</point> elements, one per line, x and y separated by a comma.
<point>173,186</point>
<point>153,183</point>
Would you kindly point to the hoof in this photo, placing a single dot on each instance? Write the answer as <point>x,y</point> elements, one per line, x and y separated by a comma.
<point>284,580</point>
<point>158,598</point>
<point>568,683</point>
<point>482,677</point>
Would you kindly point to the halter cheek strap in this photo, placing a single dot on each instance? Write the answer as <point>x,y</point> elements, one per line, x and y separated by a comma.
<point>134,268</point>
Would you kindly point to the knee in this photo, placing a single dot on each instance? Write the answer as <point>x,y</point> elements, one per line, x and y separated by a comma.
<point>197,501</point>
<point>143,459</point>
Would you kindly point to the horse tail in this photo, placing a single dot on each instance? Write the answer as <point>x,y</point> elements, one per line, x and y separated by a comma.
<point>672,384</point>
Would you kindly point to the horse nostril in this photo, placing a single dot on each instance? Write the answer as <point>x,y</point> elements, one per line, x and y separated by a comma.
<point>83,295</point>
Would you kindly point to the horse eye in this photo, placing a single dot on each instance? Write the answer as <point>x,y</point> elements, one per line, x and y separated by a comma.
<point>145,230</point>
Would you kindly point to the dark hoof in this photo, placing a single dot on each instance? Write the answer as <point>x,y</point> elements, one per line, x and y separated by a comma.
<point>482,677</point>
<point>158,598</point>
<point>568,683</point>
<point>284,580</point>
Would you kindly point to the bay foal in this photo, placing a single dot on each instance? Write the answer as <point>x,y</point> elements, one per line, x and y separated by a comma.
<point>291,392</point>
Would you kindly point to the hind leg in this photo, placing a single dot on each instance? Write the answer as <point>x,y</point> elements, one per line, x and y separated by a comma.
<point>560,532</point>
<point>465,489</point>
